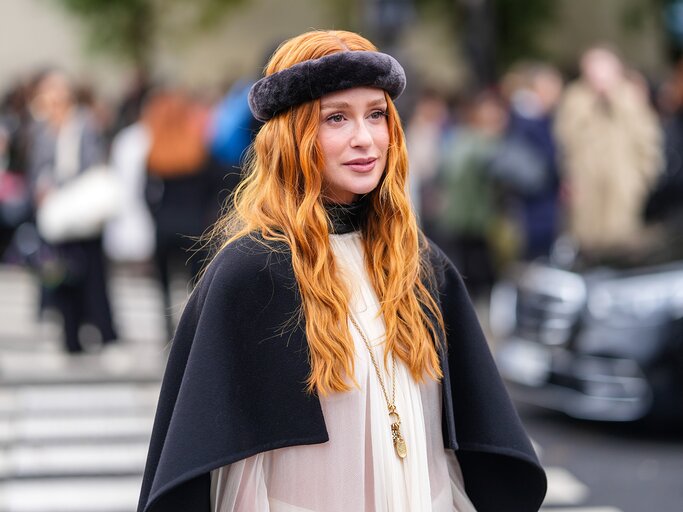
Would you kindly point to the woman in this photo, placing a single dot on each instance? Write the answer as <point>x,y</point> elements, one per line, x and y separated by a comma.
<point>311,370</point>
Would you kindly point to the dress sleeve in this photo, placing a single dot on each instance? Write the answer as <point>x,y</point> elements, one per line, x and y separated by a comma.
<point>461,502</point>
<point>240,486</point>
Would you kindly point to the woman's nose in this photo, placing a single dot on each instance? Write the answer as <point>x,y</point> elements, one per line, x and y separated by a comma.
<point>361,135</point>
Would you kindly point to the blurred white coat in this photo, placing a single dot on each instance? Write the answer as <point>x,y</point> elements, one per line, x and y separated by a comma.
<point>130,236</point>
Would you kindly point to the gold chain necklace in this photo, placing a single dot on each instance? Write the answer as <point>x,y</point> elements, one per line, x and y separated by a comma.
<point>396,437</point>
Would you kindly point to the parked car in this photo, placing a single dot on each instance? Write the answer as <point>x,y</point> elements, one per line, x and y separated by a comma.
<point>602,344</point>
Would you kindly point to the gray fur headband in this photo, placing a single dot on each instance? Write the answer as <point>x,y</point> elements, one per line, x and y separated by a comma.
<point>311,79</point>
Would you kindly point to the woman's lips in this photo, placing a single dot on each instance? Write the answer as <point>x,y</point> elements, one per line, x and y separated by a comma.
<point>361,164</point>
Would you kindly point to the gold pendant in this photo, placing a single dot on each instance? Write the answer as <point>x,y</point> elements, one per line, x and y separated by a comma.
<point>400,447</point>
<point>396,437</point>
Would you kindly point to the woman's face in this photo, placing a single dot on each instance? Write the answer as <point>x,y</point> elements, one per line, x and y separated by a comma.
<point>354,139</point>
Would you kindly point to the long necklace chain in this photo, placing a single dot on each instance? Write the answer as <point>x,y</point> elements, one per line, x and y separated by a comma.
<point>399,443</point>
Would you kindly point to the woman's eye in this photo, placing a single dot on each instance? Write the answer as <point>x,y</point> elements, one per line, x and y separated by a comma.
<point>336,118</point>
<point>378,114</point>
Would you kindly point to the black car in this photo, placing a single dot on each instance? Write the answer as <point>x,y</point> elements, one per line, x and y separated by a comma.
<point>601,344</point>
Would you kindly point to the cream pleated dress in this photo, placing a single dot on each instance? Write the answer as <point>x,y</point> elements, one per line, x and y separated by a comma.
<point>357,469</point>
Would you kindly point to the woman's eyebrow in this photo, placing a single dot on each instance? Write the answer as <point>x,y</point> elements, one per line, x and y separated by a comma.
<point>334,105</point>
<point>377,102</point>
<point>343,104</point>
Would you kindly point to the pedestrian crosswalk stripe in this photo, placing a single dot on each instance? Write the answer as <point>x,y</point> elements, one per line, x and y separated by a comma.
<point>28,461</point>
<point>92,399</point>
<point>565,492</point>
<point>110,494</point>
<point>581,509</point>
<point>564,488</point>
<point>137,307</point>
<point>118,364</point>
<point>75,428</point>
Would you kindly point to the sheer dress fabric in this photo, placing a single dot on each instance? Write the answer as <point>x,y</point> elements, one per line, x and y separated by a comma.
<point>357,469</point>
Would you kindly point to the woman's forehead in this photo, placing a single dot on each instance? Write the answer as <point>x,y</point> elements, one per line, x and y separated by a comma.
<point>353,96</point>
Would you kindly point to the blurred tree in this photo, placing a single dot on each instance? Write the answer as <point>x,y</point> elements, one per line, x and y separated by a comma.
<point>518,25</point>
<point>128,28</point>
<point>497,32</point>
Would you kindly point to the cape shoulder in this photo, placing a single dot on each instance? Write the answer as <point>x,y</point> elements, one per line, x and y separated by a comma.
<point>492,446</point>
<point>247,263</point>
<point>236,371</point>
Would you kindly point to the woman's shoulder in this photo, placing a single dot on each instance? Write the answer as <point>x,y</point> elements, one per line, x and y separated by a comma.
<point>445,275</point>
<point>250,248</point>
<point>246,259</point>
<point>435,257</point>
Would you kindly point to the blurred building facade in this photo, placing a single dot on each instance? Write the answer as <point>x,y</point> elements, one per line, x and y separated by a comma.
<point>39,33</point>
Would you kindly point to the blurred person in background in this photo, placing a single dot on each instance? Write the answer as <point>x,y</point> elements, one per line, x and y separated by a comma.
<point>231,131</point>
<point>665,204</point>
<point>64,145</point>
<point>425,134</point>
<point>533,91</point>
<point>482,173</point>
<point>137,89</point>
<point>611,149</point>
<point>100,111</point>
<point>181,191</point>
<point>130,237</point>
<point>11,186</point>
<point>15,119</point>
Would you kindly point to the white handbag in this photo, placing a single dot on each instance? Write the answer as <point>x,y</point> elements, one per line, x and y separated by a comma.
<point>79,209</point>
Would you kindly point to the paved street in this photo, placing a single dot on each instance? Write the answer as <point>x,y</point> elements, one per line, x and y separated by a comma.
<point>623,467</point>
<point>74,431</point>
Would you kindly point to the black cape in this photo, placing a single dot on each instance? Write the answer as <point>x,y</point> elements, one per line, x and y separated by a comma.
<point>234,386</point>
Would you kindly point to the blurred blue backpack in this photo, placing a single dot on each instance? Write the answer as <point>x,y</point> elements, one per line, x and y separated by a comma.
<point>233,126</point>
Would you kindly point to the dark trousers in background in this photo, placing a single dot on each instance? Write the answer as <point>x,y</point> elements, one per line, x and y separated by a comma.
<point>82,295</point>
<point>177,254</point>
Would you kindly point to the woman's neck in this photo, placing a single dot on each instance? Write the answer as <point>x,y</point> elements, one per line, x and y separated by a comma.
<point>346,218</point>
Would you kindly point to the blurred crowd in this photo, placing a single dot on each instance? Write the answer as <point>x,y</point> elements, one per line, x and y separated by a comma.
<point>84,184</point>
<point>580,172</point>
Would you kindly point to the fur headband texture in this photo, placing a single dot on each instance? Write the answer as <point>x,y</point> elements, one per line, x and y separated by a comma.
<point>314,78</point>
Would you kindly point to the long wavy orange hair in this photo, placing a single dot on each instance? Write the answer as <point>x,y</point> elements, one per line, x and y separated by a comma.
<point>281,199</point>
